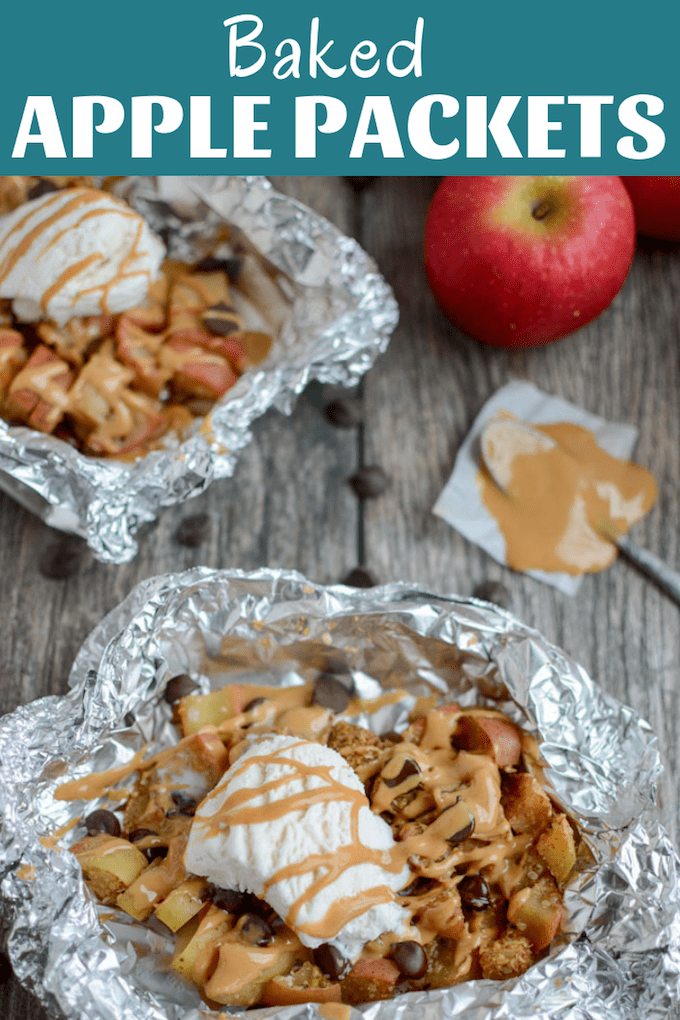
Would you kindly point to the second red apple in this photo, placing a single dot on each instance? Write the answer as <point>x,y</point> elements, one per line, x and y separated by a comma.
<point>521,261</point>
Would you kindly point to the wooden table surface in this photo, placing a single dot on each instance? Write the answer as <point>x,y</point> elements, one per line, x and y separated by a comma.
<point>289,504</point>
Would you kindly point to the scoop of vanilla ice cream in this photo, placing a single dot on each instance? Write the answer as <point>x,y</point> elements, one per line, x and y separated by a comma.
<point>289,821</point>
<point>76,252</point>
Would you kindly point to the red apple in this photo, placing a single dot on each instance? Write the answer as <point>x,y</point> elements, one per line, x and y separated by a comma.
<point>656,201</point>
<point>521,261</point>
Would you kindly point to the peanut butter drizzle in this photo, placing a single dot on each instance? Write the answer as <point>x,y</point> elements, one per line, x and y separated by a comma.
<point>69,274</point>
<point>40,379</point>
<point>561,503</point>
<point>49,842</point>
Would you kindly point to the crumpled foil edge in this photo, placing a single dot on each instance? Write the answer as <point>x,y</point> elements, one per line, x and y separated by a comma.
<point>622,959</point>
<point>343,315</point>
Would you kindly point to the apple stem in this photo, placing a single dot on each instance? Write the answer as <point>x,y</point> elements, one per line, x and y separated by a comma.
<point>541,210</point>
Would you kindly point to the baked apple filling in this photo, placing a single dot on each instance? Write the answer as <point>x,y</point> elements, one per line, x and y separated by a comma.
<point>110,384</point>
<point>299,857</point>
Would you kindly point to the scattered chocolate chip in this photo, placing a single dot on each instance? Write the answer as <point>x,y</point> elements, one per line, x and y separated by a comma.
<point>193,530</point>
<point>409,768</point>
<point>256,931</point>
<point>360,577</point>
<point>410,959</point>
<point>369,481</point>
<point>102,821</point>
<point>152,853</point>
<point>346,413</point>
<point>462,822</point>
<point>474,893</point>
<point>61,560</point>
<point>129,719</point>
<point>185,803</point>
<point>331,693</point>
<point>232,266</point>
<point>221,319</point>
<point>360,184</point>
<point>253,704</point>
<point>230,900</point>
<point>42,187</point>
<point>330,961</point>
<point>391,737</point>
<point>179,687</point>
<point>418,887</point>
<point>138,834</point>
<point>493,591</point>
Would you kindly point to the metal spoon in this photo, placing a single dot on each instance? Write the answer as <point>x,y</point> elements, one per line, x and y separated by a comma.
<point>529,440</point>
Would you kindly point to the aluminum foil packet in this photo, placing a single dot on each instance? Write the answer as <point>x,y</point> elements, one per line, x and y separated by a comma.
<point>314,290</point>
<point>619,956</point>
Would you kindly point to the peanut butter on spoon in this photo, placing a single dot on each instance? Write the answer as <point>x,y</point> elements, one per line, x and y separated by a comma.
<point>561,502</point>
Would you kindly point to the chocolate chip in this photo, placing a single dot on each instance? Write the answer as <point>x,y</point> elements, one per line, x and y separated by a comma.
<point>179,687</point>
<point>360,577</point>
<point>61,560</point>
<point>418,887</point>
<point>462,821</point>
<point>369,481</point>
<point>152,853</point>
<point>409,768</point>
<point>221,319</point>
<point>493,591</point>
<point>391,737</point>
<point>331,693</point>
<point>42,187</point>
<point>129,719</point>
<point>474,893</point>
<point>346,413</point>
<point>253,704</point>
<point>102,821</point>
<point>410,959</point>
<point>185,803</point>
<point>232,266</point>
<point>230,900</point>
<point>330,961</point>
<point>138,834</point>
<point>256,931</point>
<point>193,531</point>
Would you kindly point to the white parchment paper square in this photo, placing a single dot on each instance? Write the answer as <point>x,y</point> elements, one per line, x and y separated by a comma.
<point>460,503</point>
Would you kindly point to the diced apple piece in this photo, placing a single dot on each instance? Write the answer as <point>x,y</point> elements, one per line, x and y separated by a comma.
<point>537,912</point>
<point>213,926</point>
<point>138,349</point>
<point>142,895</point>
<point>196,371</point>
<point>200,290</point>
<point>12,356</point>
<point>38,394</point>
<point>558,849</point>
<point>109,864</point>
<point>370,980</point>
<point>182,903</point>
<point>491,735</point>
<point>236,973</point>
<point>198,710</point>
<point>527,807</point>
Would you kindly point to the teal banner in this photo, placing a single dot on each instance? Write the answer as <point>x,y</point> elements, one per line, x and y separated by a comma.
<point>224,86</point>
